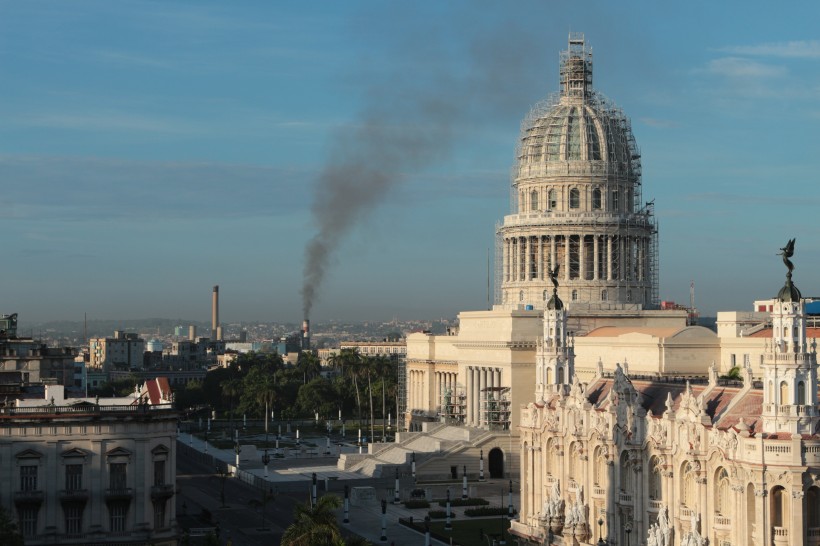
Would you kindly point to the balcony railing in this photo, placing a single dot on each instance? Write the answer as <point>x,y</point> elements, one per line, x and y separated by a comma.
<point>625,498</point>
<point>84,409</point>
<point>120,493</point>
<point>722,521</point>
<point>162,491</point>
<point>74,494</point>
<point>32,496</point>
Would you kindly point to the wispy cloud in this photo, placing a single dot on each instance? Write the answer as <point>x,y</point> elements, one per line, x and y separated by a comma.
<point>79,189</point>
<point>740,68</point>
<point>800,49</point>
<point>110,120</point>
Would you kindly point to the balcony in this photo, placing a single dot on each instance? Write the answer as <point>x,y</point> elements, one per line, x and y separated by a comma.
<point>163,491</point>
<point>33,496</point>
<point>625,498</point>
<point>78,495</point>
<point>655,505</point>
<point>780,535</point>
<point>121,493</point>
<point>722,521</point>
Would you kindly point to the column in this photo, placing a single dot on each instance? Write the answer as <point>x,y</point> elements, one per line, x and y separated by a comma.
<point>596,269</point>
<point>540,250</point>
<point>552,251</point>
<point>528,247</point>
<point>582,257</point>
<point>609,268</point>
<point>506,259</point>
<point>468,388</point>
<point>476,401</point>
<point>482,415</point>
<point>566,257</point>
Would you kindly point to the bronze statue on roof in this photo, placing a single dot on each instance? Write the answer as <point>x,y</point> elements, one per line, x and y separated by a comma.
<point>788,252</point>
<point>553,275</point>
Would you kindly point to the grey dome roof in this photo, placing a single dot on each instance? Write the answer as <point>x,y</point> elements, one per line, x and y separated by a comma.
<point>789,292</point>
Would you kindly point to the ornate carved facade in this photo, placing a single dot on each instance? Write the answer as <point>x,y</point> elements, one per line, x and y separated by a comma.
<point>679,463</point>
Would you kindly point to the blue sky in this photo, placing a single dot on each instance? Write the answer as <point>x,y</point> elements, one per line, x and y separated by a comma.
<point>149,150</point>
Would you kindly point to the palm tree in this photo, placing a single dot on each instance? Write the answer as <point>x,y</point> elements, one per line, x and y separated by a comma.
<point>383,366</point>
<point>230,388</point>
<point>350,362</point>
<point>314,525</point>
<point>309,364</point>
<point>266,394</point>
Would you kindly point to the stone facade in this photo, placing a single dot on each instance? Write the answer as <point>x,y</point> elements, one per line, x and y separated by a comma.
<point>90,474</point>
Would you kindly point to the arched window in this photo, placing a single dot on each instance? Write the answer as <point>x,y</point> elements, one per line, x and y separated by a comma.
<point>603,294</point>
<point>596,198</point>
<point>723,503</point>
<point>689,492</point>
<point>574,295</point>
<point>813,507</point>
<point>801,393</point>
<point>560,375</point>
<point>521,296</point>
<point>574,198</point>
<point>534,200</point>
<point>624,479</point>
<point>784,393</point>
<point>655,491</point>
<point>750,512</point>
<point>779,507</point>
<point>553,200</point>
<point>599,470</point>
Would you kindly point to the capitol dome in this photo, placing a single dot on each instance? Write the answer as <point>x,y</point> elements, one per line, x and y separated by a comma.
<point>576,204</point>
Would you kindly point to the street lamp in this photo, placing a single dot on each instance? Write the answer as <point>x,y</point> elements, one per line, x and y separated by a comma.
<point>600,532</point>
<point>627,530</point>
<point>265,461</point>
<point>222,474</point>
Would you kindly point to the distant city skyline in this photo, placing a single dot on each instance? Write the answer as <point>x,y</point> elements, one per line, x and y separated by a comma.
<point>150,150</point>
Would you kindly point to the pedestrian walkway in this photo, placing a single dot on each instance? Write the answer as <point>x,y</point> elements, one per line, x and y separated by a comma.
<point>364,520</point>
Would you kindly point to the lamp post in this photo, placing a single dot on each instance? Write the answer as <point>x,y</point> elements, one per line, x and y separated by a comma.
<point>627,530</point>
<point>265,461</point>
<point>448,525</point>
<point>313,491</point>
<point>464,484</point>
<point>238,449</point>
<point>510,504</point>
<point>206,441</point>
<point>600,532</point>
<point>396,495</point>
<point>481,465</point>
<point>347,505</point>
<point>413,466</point>
<point>502,540</point>
<point>383,537</point>
<point>222,474</point>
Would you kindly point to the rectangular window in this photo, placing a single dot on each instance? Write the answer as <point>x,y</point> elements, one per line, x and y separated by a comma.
<point>73,518</point>
<point>28,519</point>
<point>159,472</point>
<point>117,476</point>
<point>73,477</point>
<point>28,478</point>
<point>733,360</point>
<point>117,512</point>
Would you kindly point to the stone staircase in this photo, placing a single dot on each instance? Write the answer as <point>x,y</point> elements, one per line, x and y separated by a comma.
<point>435,442</point>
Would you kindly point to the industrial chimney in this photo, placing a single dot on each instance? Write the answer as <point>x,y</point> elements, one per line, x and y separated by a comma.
<point>215,312</point>
<point>192,333</point>
<point>305,335</point>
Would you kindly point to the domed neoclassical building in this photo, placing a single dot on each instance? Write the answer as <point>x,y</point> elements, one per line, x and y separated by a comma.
<point>576,203</point>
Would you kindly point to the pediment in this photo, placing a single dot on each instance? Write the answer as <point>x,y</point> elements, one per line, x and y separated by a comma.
<point>160,450</point>
<point>74,452</point>
<point>29,454</point>
<point>118,452</point>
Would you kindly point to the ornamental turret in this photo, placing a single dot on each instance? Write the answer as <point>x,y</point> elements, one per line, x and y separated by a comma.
<point>789,364</point>
<point>555,356</point>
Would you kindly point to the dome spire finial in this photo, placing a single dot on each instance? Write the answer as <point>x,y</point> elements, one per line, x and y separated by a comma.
<point>576,67</point>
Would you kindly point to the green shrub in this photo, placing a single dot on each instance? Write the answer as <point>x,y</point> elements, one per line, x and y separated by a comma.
<point>476,501</point>
<point>440,514</point>
<point>487,511</point>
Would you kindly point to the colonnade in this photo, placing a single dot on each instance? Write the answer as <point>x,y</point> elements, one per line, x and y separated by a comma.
<point>587,257</point>
<point>417,381</point>
<point>479,378</point>
<point>445,383</point>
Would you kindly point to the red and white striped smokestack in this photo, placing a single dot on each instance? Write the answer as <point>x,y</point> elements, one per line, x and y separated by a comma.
<point>215,312</point>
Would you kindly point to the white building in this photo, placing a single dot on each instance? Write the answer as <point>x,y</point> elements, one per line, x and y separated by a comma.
<point>124,350</point>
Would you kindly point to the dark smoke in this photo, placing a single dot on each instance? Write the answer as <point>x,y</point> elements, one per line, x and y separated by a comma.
<point>409,124</point>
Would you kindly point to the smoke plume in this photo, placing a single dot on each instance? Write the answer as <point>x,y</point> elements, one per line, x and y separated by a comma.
<point>409,124</point>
